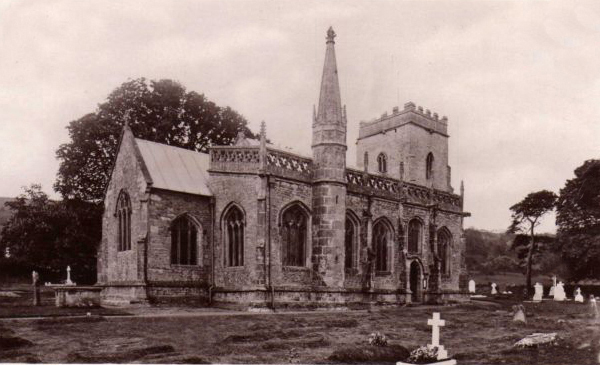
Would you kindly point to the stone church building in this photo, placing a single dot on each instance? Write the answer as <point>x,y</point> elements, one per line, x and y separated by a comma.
<point>252,225</point>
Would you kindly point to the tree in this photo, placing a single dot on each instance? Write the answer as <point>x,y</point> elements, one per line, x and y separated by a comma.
<point>521,244</point>
<point>48,235</point>
<point>526,216</point>
<point>160,111</point>
<point>578,221</point>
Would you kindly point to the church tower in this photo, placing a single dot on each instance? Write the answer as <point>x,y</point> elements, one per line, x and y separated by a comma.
<point>329,189</point>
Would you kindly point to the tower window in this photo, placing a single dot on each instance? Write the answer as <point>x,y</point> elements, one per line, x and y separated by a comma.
<point>382,163</point>
<point>429,166</point>
<point>366,161</point>
<point>415,229</point>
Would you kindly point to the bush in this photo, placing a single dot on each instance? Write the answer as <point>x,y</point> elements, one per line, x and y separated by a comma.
<point>377,339</point>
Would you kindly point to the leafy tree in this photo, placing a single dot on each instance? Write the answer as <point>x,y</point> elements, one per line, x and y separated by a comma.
<point>578,221</point>
<point>526,216</point>
<point>48,235</point>
<point>160,111</point>
<point>521,245</point>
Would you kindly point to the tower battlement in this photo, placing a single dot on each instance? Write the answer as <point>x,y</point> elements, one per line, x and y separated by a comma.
<point>411,113</point>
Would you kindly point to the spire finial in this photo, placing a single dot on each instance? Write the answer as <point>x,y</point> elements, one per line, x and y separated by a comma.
<point>462,188</point>
<point>330,35</point>
<point>126,117</point>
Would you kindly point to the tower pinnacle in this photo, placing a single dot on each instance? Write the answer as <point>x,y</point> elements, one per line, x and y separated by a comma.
<point>330,35</point>
<point>330,103</point>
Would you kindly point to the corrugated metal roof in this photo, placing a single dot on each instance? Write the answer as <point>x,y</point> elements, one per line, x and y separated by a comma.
<point>175,168</point>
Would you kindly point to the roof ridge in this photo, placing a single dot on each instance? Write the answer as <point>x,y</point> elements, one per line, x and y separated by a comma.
<point>170,145</point>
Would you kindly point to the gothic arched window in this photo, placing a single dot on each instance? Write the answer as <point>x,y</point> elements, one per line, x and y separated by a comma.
<point>382,162</point>
<point>415,232</point>
<point>351,242</point>
<point>444,240</point>
<point>366,161</point>
<point>184,241</point>
<point>234,237</point>
<point>429,166</point>
<point>124,218</point>
<point>293,236</point>
<point>382,237</point>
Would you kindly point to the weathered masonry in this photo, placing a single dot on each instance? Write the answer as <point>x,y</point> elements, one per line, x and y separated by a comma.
<point>251,225</point>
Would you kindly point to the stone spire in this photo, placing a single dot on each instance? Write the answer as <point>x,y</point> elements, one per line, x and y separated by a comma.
<point>330,103</point>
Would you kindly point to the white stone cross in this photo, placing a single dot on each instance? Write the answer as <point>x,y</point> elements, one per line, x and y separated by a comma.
<point>435,323</point>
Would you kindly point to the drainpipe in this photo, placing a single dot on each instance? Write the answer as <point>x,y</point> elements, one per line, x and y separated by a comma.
<point>212,253</point>
<point>270,278</point>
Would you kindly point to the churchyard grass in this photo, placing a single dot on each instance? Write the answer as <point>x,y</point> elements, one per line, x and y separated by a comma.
<point>475,333</point>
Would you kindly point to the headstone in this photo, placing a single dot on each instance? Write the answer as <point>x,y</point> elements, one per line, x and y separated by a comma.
<point>559,292</point>
<point>494,290</point>
<point>472,286</point>
<point>539,292</point>
<point>436,322</point>
<point>69,282</point>
<point>594,307</point>
<point>578,296</point>
<point>519,313</point>
<point>36,288</point>
<point>553,287</point>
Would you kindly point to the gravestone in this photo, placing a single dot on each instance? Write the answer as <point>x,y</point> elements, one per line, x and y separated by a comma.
<point>436,322</point>
<point>35,278</point>
<point>472,286</point>
<point>594,307</point>
<point>494,290</point>
<point>559,292</point>
<point>69,282</point>
<point>553,287</point>
<point>539,292</point>
<point>578,296</point>
<point>519,313</point>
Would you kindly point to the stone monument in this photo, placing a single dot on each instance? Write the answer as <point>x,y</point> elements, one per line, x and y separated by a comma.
<point>578,296</point>
<point>519,313</point>
<point>494,290</point>
<point>539,292</point>
<point>35,278</point>
<point>553,287</point>
<point>436,322</point>
<point>69,282</point>
<point>559,292</point>
<point>472,286</point>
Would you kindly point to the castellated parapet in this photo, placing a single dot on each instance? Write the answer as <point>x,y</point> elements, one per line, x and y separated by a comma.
<point>410,114</point>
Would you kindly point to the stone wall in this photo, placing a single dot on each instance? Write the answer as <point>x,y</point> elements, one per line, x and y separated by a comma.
<point>241,190</point>
<point>164,208</point>
<point>127,176</point>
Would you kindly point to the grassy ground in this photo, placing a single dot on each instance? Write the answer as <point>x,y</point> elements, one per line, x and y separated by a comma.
<point>16,302</point>
<point>475,333</point>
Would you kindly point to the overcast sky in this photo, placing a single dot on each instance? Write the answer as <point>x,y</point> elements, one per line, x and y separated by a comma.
<point>519,81</point>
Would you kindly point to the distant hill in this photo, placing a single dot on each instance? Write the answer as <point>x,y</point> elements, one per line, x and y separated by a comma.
<point>484,248</point>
